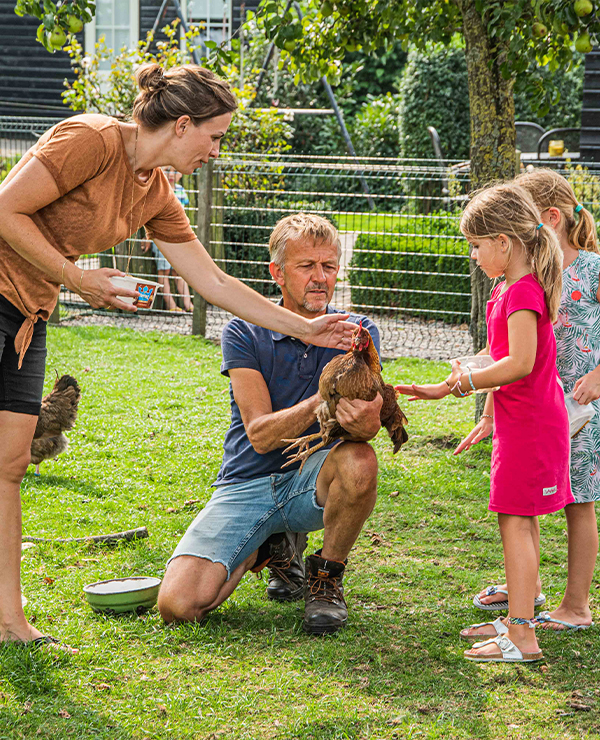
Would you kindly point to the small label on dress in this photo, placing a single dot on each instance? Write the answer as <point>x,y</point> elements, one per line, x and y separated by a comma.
<point>549,491</point>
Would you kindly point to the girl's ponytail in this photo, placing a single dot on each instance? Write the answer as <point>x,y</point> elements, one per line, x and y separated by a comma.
<point>551,190</point>
<point>582,234</point>
<point>547,266</point>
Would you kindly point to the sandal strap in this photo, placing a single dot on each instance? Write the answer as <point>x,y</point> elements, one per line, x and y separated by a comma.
<point>497,624</point>
<point>491,590</point>
<point>506,645</point>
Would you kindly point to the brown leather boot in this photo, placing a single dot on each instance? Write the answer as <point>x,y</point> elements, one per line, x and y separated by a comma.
<point>286,567</point>
<point>325,610</point>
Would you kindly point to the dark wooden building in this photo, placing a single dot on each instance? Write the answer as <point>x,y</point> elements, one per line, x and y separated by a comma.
<point>31,79</point>
<point>589,140</point>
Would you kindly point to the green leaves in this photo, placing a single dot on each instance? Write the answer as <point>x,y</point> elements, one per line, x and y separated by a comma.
<point>58,20</point>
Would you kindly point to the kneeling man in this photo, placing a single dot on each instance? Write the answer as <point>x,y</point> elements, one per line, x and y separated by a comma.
<point>260,509</point>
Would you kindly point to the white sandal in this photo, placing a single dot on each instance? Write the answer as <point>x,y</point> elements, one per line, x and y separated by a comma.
<point>509,652</point>
<point>497,624</point>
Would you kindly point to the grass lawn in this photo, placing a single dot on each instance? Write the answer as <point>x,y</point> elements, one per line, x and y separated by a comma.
<point>146,447</point>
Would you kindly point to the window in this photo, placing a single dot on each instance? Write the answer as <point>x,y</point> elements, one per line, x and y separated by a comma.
<point>116,20</point>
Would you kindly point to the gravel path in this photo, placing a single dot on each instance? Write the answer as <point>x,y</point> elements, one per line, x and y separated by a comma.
<point>431,340</point>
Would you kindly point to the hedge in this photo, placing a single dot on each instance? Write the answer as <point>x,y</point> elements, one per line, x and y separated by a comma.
<point>424,275</point>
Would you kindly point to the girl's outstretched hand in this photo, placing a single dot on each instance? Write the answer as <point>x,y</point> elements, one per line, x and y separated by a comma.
<point>424,392</point>
<point>481,430</point>
<point>587,388</point>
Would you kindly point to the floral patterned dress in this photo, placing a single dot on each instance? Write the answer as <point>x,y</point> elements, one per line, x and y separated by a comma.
<point>577,332</point>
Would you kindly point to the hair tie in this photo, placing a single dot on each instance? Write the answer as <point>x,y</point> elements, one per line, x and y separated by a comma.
<point>578,208</point>
<point>539,226</point>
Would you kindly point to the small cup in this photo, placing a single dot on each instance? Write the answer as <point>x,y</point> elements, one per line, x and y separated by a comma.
<point>556,147</point>
<point>146,289</point>
<point>579,414</point>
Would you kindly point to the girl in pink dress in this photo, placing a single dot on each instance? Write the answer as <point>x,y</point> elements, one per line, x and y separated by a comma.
<point>530,458</point>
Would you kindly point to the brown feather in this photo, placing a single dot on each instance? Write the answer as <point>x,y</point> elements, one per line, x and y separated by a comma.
<point>59,408</point>
<point>354,375</point>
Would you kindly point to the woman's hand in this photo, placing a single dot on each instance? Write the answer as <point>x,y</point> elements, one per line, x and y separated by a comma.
<point>482,429</point>
<point>330,330</point>
<point>95,287</point>
<point>587,388</point>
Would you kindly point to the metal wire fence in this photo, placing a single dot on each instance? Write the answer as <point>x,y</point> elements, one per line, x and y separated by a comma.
<point>403,262</point>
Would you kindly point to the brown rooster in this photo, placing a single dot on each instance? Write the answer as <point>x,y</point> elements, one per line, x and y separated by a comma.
<point>57,415</point>
<point>356,374</point>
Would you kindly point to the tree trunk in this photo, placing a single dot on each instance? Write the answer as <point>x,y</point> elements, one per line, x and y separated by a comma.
<point>493,140</point>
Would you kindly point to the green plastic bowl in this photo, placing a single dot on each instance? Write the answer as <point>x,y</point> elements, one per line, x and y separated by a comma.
<point>118,595</point>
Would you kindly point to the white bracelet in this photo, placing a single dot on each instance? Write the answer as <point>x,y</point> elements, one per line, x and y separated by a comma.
<point>487,416</point>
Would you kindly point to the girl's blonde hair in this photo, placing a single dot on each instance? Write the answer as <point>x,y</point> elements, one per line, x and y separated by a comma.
<point>551,190</point>
<point>509,209</point>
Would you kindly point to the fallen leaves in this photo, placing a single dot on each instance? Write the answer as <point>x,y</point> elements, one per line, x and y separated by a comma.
<point>64,714</point>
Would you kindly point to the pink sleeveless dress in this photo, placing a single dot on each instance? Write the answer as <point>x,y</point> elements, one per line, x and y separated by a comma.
<point>530,454</point>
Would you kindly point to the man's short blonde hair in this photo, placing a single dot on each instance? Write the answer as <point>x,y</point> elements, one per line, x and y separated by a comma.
<point>301,226</point>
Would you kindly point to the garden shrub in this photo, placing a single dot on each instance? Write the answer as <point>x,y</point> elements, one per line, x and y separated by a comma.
<point>434,92</point>
<point>374,128</point>
<point>423,267</point>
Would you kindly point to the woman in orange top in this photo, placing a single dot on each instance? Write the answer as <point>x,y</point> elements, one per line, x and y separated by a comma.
<point>86,185</point>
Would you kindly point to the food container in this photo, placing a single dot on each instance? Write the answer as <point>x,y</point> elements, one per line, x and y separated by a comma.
<point>146,288</point>
<point>117,595</point>
<point>556,147</point>
<point>476,362</point>
<point>579,415</point>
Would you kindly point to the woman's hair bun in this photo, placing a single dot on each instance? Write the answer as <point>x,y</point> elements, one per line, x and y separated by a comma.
<point>151,78</point>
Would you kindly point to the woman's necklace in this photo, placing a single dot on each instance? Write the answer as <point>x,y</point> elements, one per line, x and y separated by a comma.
<point>131,232</point>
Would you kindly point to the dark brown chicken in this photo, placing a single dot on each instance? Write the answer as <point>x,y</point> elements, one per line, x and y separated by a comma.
<point>357,374</point>
<point>57,415</point>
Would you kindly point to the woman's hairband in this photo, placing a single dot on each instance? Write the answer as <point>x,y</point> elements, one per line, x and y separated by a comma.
<point>539,226</point>
<point>578,208</point>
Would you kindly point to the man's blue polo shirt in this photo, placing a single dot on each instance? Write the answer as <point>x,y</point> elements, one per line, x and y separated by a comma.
<point>291,370</point>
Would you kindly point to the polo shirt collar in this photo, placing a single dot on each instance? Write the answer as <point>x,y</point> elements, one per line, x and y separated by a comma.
<point>277,336</point>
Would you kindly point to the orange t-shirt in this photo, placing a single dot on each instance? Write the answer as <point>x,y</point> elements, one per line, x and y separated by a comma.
<point>86,157</point>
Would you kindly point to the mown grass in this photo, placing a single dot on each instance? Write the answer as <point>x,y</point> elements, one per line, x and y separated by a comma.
<point>147,441</point>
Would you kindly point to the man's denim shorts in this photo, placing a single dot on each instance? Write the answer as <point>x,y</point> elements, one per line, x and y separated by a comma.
<point>241,516</point>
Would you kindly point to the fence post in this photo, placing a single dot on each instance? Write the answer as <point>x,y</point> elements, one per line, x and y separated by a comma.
<point>203,229</point>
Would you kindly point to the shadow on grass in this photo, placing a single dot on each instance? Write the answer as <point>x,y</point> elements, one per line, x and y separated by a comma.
<point>49,482</point>
<point>413,664</point>
<point>33,677</point>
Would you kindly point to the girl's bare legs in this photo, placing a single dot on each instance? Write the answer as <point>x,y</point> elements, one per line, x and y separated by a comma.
<point>16,433</point>
<point>163,279</point>
<point>583,550</point>
<point>520,541</point>
<point>183,290</point>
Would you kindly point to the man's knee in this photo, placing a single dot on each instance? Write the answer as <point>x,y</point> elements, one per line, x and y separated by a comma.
<point>356,469</point>
<point>189,588</point>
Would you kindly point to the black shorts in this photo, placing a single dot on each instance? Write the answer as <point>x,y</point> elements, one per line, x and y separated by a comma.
<point>20,390</point>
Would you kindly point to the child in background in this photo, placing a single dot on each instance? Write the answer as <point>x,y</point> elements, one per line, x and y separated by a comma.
<point>163,267</point>
<point>530,458</point>
<point>577,332</point>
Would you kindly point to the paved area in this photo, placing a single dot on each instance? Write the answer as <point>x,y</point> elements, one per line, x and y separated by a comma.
<point>431,340</point>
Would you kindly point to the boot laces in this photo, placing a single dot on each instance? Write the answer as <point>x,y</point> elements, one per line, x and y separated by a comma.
<point>325,588</point>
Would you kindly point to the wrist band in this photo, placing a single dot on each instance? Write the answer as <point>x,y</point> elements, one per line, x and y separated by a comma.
<point>471,379</point>
<point>447,383</point>
<point>487,416</point>
<point>458,387</point>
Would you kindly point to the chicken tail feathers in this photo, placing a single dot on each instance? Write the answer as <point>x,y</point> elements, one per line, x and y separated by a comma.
<point>395,428</point>
<point>59,408</point>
